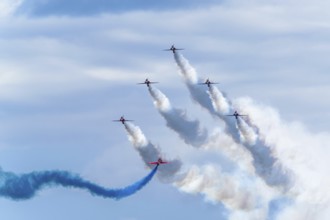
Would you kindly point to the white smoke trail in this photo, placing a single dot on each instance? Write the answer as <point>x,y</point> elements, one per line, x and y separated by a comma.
<point>150,152</point>
<point>238,191</point>
<point>248,134</point>
<point>219,102</point>
<point>190,131</point>
<point>222,144</point>
<point>284,155</point>
<point>189,74</point>
<point>304,152</point>
<point>209,181</point>
<point>264,160</point>
<point>222,107</point>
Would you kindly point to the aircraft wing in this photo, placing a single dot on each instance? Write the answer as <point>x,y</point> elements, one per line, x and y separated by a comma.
<point>153,162</point>
<point>236,115</point>
<point>204,83</point>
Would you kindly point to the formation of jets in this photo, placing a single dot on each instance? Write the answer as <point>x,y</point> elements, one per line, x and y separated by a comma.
<point>208,83</point>
<point>147,82</point>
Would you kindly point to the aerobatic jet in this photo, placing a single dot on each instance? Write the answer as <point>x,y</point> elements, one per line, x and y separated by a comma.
<point>122,120</point>
<point>147,82</point>
<point>158,162</point>
<point>236,115</point>
<point>173,49</point>
<point>208,83</point>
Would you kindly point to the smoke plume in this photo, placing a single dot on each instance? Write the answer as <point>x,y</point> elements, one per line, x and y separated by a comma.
<point>25,186</point>
<point>150,152</point>
<point>176,119</point>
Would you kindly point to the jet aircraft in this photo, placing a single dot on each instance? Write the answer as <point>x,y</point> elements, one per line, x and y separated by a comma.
<point>236,115</point>
<point>158,162</point>
<point>173,49</point>
<point>122,120</point>
<point>208,83</point>
<point>147,82</point>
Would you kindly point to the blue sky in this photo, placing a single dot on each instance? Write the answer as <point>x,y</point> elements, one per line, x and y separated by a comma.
<point>67,69</point>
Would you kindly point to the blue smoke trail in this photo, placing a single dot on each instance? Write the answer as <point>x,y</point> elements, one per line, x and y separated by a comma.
<point>25,186</point>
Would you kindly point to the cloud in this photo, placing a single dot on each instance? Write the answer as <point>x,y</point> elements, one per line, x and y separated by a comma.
<point>8,7</point>
<point>89,7</point>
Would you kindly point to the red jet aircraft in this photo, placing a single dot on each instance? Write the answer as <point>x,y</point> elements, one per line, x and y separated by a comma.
<point>158,162</point>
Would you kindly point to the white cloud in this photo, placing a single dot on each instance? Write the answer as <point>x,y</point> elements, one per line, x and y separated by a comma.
<point>7,7</point>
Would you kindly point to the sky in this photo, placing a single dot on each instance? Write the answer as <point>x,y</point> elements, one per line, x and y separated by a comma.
<point>68,68</point>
